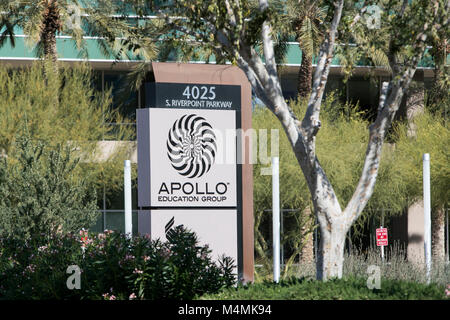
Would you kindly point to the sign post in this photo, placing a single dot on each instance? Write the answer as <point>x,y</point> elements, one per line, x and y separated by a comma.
<point>191,168</point>
<point>382,240</point>
<point>127,198</point>
<point>427,212</point>
<point>276,218</point>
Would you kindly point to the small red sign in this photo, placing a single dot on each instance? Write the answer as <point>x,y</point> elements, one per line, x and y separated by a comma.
<point>382,237</point>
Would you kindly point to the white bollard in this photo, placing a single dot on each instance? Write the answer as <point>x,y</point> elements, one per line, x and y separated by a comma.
<point>427,213</point>
<point>127,198</point>
<point>276,218</point>
<point>382,249</point>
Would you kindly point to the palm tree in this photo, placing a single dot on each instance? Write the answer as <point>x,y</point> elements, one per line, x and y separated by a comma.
<point>441,82</point>
<point>301,19</point>
<point>42,20</point>
<point>306,17</point>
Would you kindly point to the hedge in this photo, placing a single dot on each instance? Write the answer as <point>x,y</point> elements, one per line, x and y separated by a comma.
<point>350,288</point>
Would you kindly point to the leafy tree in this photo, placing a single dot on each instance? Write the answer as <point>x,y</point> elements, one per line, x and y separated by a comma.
<point>233,29</point>
<point>372,45</point>
<point>345,126</point>
<point>39,194</point>
<point>363,39</point>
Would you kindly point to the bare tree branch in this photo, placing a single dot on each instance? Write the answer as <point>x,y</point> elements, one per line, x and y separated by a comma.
<point>268,48</point>
<point>311,122</point>
<point>254,80</point>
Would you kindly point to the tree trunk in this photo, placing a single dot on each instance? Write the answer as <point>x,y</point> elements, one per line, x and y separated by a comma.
<point>330,261</point>
<point>439,53</point>
<point>305,76</point>
<point>414,104</point>
<point>307,254</point>
<point>438,234</point>
<point>50,25</point>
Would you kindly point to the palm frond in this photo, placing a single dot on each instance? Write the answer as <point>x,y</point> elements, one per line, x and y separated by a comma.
<point>8,32</point>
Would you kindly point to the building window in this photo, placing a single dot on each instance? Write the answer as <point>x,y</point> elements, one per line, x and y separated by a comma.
<point>112,210</point>
<point>124,101</point>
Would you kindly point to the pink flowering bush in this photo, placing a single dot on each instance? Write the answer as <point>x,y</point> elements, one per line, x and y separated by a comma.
<point>32,270</point>
<point>113,267</point>
<point>139,268</point>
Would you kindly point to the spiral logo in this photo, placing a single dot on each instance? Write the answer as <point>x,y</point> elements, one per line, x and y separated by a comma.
<point>191,146</point>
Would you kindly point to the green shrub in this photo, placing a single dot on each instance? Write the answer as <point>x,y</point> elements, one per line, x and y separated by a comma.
<point>112,267</point>
<point>432,135</point>
<point>351,288</point>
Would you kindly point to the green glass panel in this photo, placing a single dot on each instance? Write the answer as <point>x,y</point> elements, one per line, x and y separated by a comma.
<point>68,50</point>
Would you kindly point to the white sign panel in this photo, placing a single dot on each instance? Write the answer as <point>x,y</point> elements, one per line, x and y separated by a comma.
<point>216,228</point>
<point>192,158</point>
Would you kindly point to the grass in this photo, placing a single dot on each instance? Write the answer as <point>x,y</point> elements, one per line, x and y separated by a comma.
<point>350,288</point>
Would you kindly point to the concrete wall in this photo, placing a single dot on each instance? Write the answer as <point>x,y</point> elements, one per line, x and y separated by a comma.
<point>107,148</point>
<point>416,233</point>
